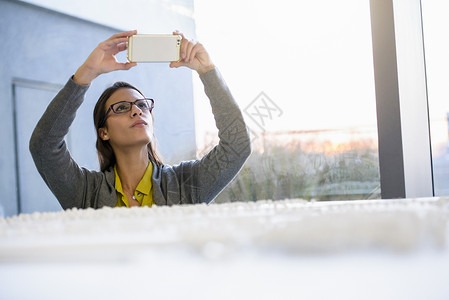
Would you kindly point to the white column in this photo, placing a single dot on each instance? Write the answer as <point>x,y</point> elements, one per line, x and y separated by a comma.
<point>401,97</point>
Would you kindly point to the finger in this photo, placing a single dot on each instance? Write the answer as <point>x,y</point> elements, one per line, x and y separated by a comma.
<point>121,47</point>
<point>177,32</point>
<point>129,65</point>
<point>123,34</point>
<point>125,66</point>
<point>188,50</point>
<point>184,45</point>
<point>196,49</point>
<point>118,38</point>
<point>176,64</point>
<point>114,49</point>
<point>116,41</point>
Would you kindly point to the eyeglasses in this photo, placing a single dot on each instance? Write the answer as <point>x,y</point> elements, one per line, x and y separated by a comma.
<point>125,106</point>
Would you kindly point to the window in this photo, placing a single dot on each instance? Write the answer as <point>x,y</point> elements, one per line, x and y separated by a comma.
<point>302,72</point>
<point>435,27</point>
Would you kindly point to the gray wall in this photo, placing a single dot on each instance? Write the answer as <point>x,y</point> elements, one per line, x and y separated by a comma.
<point>41,50</point>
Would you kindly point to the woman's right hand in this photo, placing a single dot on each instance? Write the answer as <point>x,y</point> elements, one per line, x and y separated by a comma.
<point>102,59</point>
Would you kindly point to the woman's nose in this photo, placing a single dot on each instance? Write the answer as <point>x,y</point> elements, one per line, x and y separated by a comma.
<point>135,110</point>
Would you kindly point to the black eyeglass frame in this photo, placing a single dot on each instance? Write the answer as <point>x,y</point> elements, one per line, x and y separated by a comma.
<point>103,121</point>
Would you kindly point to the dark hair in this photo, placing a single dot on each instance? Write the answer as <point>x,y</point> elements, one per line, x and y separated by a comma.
<point>105,152</point>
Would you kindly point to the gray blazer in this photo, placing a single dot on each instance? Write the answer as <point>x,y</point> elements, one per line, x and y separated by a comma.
<point>193,181</point>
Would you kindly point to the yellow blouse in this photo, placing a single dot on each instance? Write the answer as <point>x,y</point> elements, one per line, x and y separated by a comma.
<point>143,192</point>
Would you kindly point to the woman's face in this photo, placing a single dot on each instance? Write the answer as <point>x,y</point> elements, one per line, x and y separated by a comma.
<point>132,128</point>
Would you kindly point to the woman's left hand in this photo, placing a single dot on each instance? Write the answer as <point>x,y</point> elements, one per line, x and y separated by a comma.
<point>193,56</point>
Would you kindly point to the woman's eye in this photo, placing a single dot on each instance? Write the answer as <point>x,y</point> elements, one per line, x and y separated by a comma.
<point>142,105</point>
<point>121,108</point>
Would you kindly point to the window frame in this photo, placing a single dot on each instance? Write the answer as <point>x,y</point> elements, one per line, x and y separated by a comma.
<point>405,156</point>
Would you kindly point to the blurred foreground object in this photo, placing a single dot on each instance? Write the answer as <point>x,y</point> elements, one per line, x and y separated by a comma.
<point>370,249</point>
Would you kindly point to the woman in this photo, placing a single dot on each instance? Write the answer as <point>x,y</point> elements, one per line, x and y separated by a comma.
<point>131,172</point>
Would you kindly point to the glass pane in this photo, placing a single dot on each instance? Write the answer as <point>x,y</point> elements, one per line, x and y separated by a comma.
<point>435,27</point>
<point>302,72</point>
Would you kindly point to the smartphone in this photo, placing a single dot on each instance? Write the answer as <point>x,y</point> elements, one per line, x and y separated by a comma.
<point>154,48</point>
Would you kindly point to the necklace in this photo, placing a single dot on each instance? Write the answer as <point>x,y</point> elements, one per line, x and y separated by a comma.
<point>138,195</point>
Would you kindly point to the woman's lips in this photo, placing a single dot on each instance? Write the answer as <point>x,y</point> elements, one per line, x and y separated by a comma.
<point>139,123</point>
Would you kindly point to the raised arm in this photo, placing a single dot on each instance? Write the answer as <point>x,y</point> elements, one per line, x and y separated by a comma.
<point>203,179</point>
<point>73,186</point>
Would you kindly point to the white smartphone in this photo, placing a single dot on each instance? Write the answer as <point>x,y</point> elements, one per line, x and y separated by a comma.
<point>154,48</point>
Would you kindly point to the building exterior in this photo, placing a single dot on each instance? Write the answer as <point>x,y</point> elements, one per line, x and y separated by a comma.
<point>41,49</point>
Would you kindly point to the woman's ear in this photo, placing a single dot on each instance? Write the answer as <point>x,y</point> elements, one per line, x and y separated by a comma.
<point>103,133</point>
